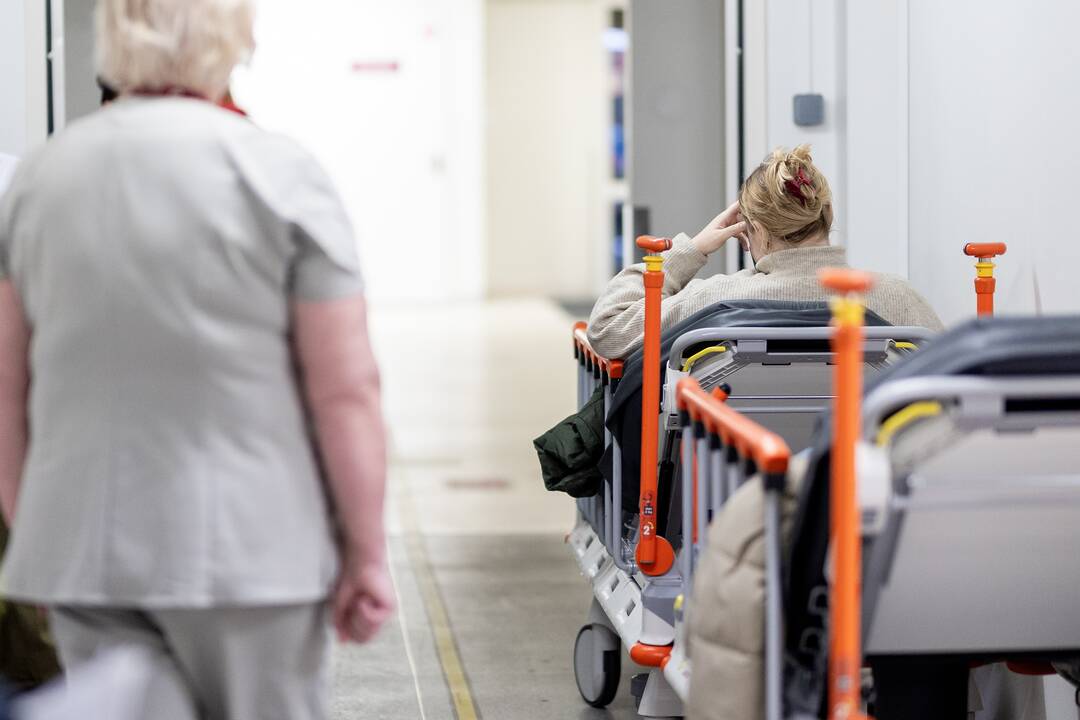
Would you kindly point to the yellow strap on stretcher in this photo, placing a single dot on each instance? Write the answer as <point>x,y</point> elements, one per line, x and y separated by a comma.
<point>690,361</point>
<point>904,345</point>
<point>901,419</point>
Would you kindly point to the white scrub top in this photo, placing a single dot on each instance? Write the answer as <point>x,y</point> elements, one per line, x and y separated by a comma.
<point>156,246</point>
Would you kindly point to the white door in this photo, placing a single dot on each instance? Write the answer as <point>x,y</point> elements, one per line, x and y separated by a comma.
<point>365,85</point>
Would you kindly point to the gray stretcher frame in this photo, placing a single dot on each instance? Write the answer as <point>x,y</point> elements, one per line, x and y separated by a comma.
<point>875,337</point>
<point>751,345</point>
<point>751,348</point>
<point>722,473</point>
<point>974,403</point>
<point>603,511</point>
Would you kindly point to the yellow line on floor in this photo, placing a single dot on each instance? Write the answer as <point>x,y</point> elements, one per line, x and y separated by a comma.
<point>445,644</point>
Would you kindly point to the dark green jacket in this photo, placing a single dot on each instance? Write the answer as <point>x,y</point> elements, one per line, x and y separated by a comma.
<point>570,452</point>
<point>27,657</point>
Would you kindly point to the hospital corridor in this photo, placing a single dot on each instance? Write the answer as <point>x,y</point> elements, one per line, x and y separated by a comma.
<point>488,605</point>
<point>539,360</point>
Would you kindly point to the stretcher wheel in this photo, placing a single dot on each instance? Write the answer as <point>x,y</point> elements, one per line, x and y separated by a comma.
<point>597,664</point>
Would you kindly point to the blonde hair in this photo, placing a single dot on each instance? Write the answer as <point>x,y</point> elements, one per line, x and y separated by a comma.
<point>788,197</point>
<point>186,45</point>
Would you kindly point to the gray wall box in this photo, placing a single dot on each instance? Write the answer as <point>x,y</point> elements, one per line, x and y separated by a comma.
<point>809,110</point>
<point>677,114</point>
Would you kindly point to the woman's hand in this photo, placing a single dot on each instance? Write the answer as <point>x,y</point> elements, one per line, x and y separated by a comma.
<point>724,226</point>
<point>363,599</point>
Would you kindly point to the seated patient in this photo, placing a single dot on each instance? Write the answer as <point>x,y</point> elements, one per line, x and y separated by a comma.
<point>783,217</point>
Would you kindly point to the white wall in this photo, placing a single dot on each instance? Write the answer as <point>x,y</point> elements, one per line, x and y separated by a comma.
<point>389,97</point>
<point>547,95</point>
<point>875,95</point>
<point>946,123</point>
<point>24,117</point>
<point>994,103</point>
<point>802,56</point>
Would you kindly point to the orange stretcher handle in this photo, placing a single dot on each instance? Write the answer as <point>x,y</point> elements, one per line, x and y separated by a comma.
<point>843,280</point>
<point>654,554</point>
<point>767,449</point>
<point>985,283</point>
<point>653,245</point>
<point>985,250</point>
<point>845,604</point>
<point>581,339</point>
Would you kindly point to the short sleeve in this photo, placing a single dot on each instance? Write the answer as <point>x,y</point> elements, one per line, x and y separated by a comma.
<point>326,266</point>
<point>317,276</point>
<point>4,242</point>
<point>324,263</point>
<point>6,203</point>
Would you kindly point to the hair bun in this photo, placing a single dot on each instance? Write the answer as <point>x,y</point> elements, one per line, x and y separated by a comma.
<point>788,195</point>
<point>796,177</point>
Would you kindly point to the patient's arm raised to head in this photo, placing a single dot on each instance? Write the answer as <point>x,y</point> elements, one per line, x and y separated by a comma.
<point>783,217</point>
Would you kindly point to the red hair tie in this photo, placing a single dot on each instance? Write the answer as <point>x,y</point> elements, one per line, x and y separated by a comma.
<point>794,186</point>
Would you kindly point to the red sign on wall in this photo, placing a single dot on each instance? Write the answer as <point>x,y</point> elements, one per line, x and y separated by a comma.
<point>384,66</point>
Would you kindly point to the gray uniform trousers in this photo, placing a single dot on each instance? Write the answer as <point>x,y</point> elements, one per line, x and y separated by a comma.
<point>228,663</point>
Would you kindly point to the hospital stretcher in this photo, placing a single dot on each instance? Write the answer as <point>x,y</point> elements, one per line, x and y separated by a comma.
<point>639,599</point>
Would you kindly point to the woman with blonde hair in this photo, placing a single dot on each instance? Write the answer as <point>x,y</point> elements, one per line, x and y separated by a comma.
<point>783,217</point>
<point>192,460</point>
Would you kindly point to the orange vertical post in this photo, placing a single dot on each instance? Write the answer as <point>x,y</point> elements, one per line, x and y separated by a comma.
<point>845,604</point>
<point>985,284</point>
<point>654,555</point>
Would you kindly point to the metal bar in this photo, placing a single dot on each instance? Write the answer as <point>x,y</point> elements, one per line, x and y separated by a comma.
<point>774,614</point>
<point>777,409</point>
<point>812,333</point>
<point>687,503</point>
<point>735,396</point>
<point>704,483</point>
<point>736,475</point>
<point>581,384</point>
<point>731,476</point>
<point>891,396</point>
<point>616,502</point>
<point>845,598</point>
<point>609,527</point>
<point>654,555</point>
<point>718,475</point>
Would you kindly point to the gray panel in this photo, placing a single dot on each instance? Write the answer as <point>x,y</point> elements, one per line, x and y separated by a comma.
<point>987,556</point>
<point>677,114</point>
<point>81,93</point>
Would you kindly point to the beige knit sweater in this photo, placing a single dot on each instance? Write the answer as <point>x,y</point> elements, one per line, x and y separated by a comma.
<point>617,320</point>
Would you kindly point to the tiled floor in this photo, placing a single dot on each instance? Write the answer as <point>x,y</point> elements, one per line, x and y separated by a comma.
<point>475,539</point>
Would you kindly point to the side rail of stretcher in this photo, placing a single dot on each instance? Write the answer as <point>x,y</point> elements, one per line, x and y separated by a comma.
<point>781,376</point>
<point>875,341</point>
<point>721,450</point>
<point>602,511</point>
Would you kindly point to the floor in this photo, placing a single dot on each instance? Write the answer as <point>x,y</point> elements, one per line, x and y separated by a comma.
<point>490,599</point>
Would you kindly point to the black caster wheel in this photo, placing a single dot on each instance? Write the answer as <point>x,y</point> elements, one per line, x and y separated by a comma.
<point>597,664</point>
